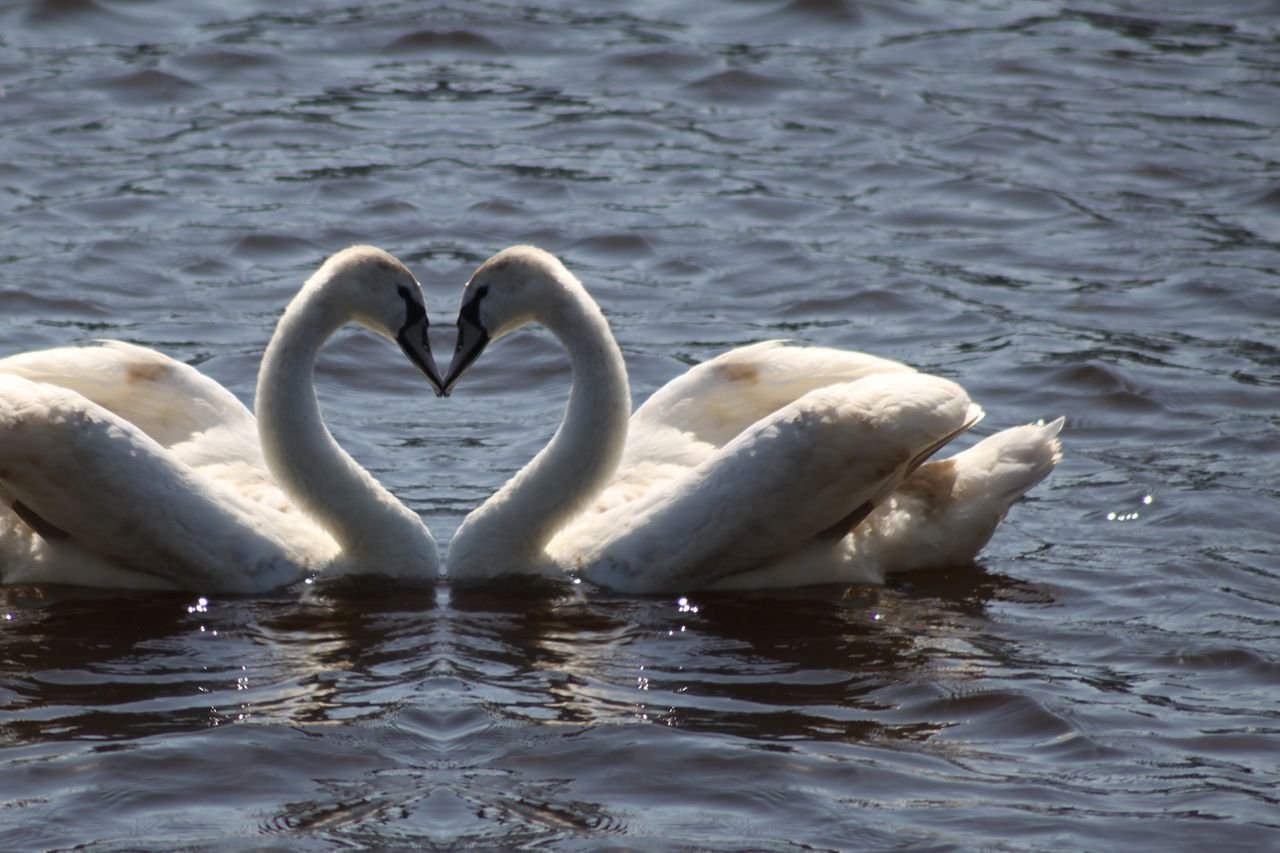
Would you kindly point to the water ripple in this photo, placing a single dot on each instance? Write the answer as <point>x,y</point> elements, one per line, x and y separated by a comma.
<point>1069,210</point>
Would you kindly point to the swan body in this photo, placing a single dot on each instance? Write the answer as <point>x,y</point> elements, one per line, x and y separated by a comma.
<point>121,467</point>
<point>771,465</point>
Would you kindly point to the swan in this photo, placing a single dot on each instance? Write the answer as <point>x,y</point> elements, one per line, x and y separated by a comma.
<point>772,465</point>
<point>121,467</point>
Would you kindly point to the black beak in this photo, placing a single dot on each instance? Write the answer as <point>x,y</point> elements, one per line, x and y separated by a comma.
<point>472,339</point>
<point>414,344</point>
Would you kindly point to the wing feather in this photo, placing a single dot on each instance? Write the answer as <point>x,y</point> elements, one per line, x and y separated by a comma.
<point>777,484</point>
<point>118,493</point>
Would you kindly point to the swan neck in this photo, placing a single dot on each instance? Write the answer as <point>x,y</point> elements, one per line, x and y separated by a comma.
<point>511,531</point>
<point>375,532</point>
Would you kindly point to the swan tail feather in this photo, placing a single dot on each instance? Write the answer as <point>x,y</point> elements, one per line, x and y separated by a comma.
<point>1003,467</point>
<point>946,512</point>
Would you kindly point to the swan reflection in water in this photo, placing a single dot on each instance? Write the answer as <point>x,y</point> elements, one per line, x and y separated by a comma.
<point>486,712</point>
<point>461,660</point>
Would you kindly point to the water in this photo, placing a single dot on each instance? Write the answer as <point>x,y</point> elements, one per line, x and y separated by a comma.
<point>1069,208</point>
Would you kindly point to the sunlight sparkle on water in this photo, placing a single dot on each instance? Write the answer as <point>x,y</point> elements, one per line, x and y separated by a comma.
<point>1129,516</point>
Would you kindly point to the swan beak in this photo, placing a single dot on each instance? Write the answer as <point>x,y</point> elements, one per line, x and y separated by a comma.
<point>472,339</point>
<point>414,344</point>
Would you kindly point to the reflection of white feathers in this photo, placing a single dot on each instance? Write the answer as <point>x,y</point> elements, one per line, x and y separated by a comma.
<point>771,465</point>
<point>121,467</point>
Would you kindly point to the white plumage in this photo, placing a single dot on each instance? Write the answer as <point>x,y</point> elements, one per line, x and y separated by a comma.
<point>121,467</point>
<point>769,466</point>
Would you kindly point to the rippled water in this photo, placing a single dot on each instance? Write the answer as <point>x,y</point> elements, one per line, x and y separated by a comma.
<point>1070,208</point>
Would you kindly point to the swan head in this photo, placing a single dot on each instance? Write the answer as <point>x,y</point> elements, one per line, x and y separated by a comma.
<point>517,286</point>
<point>380,293</point>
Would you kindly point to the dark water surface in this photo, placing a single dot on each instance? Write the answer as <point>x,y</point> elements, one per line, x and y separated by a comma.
<point>1071,208</point>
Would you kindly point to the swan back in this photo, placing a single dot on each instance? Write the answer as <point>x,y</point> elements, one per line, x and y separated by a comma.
<point>170,401</point>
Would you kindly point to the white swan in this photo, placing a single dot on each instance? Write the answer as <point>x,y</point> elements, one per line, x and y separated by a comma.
<point>769,466</point>
<point>121,467</point>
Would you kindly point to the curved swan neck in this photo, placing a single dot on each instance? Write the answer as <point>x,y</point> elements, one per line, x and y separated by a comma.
<point>375,531</point>
<point>511,531</point>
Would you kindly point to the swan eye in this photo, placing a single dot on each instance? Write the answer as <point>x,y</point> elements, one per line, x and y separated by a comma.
<point>471,309</point>
<point>413,310</point>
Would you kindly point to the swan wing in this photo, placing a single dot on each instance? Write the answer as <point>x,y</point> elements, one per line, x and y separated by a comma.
<point>77,471</point>
<point>705,407</point>
<point>168,400</point>
<point>811,468</point>
<point>202,423</point>
<point>26,557</point>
